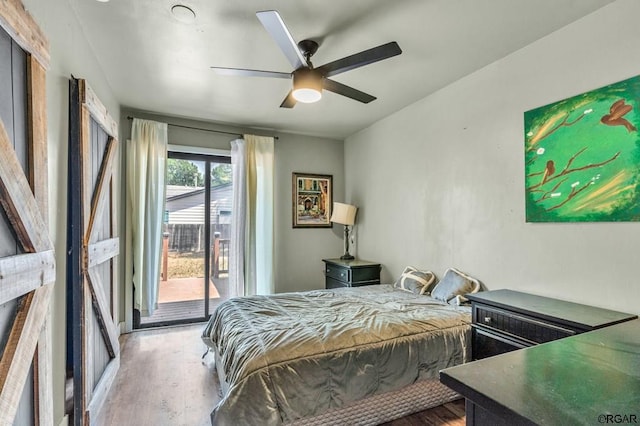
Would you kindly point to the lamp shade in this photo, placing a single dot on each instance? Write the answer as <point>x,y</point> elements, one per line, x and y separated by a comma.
<point>344,214</point>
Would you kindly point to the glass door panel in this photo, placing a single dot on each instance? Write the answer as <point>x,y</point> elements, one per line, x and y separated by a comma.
<point>195,251</point>
<point>220,223</point>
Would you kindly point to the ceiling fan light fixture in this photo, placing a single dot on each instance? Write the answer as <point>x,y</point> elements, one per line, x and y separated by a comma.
<point>307,86</point>
<point>307,96</point>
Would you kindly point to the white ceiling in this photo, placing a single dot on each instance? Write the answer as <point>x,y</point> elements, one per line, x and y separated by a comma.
<point>155,63</point>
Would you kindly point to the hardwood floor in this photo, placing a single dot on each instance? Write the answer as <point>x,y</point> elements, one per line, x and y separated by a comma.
<point>164,381</point>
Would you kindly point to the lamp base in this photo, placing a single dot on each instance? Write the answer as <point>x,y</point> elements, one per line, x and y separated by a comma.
<point>346,255</point>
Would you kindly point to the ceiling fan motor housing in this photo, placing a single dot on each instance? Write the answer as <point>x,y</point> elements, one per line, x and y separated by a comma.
<point>308,48</point>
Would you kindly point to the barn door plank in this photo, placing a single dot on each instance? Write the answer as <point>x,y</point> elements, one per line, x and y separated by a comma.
<point>37,119</point>
<point>97,109</point>
<point>23,273</point>
<point>43,390</point>
<point>102,251</point>
<point>19,351</point>
<point>85,168</point>
<point>102,388</point>
<point>103,315</point>
<point>102,189</point>
<point>18,200</point>
<point>38,179</point>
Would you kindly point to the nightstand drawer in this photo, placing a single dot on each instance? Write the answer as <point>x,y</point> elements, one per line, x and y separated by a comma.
<point>365,275</point>
<point>529,329</point>
<point>337,272</point>
<point>333,283</point>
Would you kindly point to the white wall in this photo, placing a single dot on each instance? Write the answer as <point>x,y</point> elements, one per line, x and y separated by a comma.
<point>70,54</point>
<point>299,251</point>
<point>441,182</point>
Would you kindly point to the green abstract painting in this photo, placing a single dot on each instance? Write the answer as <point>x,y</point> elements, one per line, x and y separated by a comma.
<point>582,157</point>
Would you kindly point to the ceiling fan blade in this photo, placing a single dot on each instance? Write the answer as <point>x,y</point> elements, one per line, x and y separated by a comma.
<point>275,26</point>
<point>356,60</point>
<point>289,101</point>
<point>250,73</point>
<point>349,92</point>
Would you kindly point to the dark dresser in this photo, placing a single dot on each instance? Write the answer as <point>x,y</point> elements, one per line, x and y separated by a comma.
<point>544,384</point>
<point>506,320</point>
<point>587,379</point>
<point>350,273</point>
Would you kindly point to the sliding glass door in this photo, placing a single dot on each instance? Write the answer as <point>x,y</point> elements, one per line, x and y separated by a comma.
<point>196,231</point>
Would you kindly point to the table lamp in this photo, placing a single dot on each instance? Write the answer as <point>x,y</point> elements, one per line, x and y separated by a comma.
<point>344,214</point>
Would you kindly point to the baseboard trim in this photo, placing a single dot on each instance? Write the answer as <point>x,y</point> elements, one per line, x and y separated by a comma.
<point>65,421</point>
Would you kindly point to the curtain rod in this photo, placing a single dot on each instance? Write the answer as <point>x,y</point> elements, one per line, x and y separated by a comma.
<point>202,129</point>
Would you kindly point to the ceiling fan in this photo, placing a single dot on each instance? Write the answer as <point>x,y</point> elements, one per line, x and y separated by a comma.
<point>308,81</point>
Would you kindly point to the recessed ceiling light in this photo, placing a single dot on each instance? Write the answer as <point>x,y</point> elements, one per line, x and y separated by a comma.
<point>183,13</point>
<point>103,1</point>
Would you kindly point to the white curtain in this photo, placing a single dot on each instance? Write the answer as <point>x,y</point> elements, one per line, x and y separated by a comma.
<point>146,164</point>
<point>251,259</point>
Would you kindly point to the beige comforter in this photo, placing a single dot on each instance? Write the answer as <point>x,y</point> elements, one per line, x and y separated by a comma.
<point>295,355</point>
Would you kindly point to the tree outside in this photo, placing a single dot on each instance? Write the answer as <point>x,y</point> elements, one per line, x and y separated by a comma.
<point>183,173</point>
<point>186,173</point>
<point>220,174</point>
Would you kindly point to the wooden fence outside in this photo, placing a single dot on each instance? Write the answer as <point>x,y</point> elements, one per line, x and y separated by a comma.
<point>189,238</point>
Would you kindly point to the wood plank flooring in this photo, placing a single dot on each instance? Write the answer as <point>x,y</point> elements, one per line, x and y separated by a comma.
<point>164,381</point>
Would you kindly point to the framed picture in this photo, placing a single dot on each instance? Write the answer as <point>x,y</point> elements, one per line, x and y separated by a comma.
<point>312,200</point>
<point>582,157</point>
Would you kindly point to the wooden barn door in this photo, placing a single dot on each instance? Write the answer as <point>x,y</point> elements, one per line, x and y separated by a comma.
<point>27,261</point>
<point>93,250</point>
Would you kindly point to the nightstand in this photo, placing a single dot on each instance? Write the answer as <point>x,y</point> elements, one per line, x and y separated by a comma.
<point>506,320</point>
<point>350,273</point>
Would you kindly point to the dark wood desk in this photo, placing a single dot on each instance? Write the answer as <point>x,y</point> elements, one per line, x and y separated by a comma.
<point>576,380</point>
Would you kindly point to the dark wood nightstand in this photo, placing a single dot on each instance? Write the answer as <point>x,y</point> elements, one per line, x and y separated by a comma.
<point>506,320</point>
<point>350,273</point>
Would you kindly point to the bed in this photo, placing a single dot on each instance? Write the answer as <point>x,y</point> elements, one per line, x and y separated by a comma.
<point>360,355</point>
